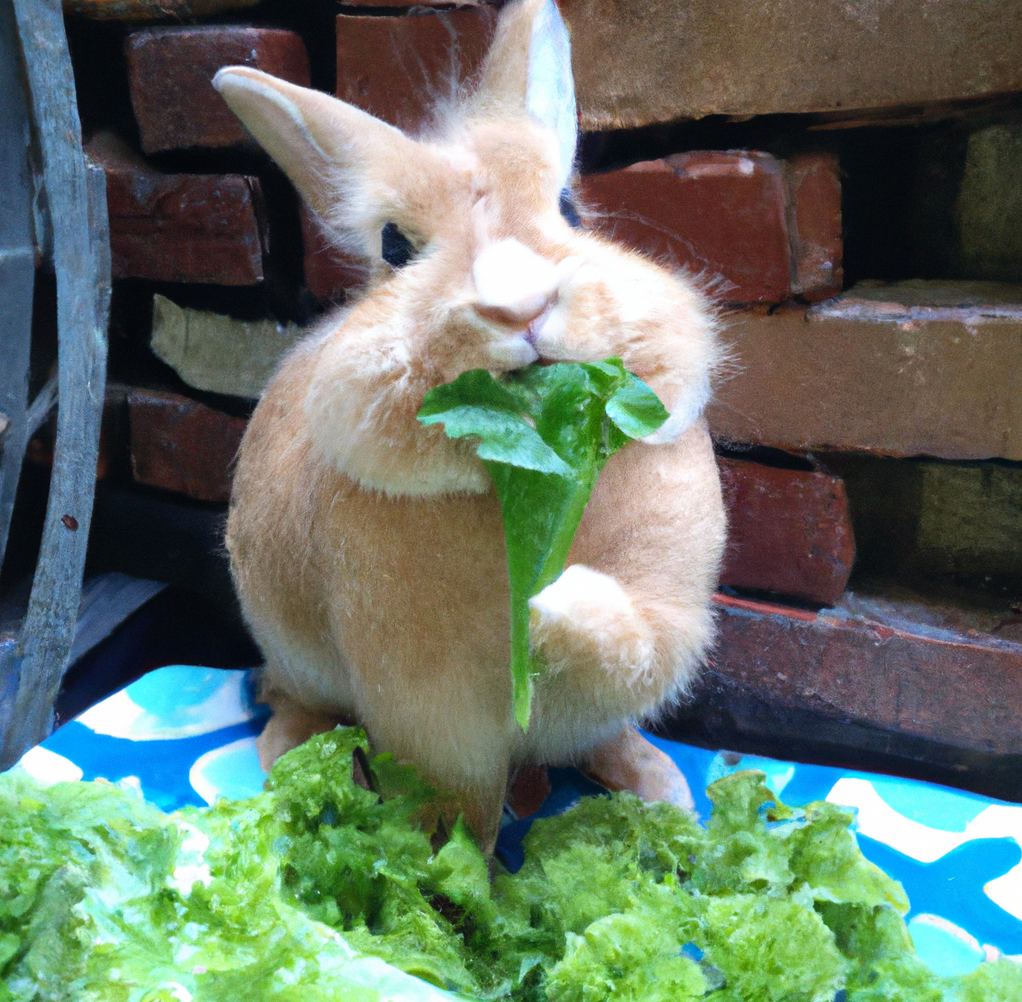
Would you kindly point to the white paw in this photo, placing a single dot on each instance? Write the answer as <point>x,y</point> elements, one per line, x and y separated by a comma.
<point>585,620</point>
<point>579,594</point>
<point>687,409</point>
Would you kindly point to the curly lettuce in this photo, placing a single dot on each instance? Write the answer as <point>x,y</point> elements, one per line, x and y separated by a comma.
<point>319,889</point>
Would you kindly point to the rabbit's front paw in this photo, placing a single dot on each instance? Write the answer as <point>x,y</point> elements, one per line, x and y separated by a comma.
<point>586,619</point>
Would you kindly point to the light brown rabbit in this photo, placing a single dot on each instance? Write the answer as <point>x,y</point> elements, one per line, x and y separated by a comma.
<point>368,550</point>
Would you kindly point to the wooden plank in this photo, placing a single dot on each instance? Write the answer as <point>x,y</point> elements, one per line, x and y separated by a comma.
<point>917,368</point>
<point>17,269</point>
<point>76,200</point>
<point>44,402</point>
<point>652,61</point>
<point>113,448</point>
<point>854,687</point>
<point>107,601</point>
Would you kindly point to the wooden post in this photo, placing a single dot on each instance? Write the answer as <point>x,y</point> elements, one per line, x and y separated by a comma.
<point>17,269</point>
<point>76,197</point>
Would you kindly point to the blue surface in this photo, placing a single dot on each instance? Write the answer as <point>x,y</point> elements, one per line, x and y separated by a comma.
<point>187,735</point>
<point>952,886</point>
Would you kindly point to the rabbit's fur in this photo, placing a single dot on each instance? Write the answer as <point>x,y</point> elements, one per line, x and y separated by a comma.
<point>368,550</point>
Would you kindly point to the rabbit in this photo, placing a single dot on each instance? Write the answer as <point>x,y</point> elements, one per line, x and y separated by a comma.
<point>368,550</point>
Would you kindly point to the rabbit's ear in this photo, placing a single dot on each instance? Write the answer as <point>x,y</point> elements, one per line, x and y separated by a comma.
<point>528,68</point>
<point>317,140</point>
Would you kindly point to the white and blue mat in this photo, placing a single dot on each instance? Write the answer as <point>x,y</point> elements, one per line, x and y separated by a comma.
<point>187,736</point>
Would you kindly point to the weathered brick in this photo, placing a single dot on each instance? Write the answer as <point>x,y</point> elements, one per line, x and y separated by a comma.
<point>170,70</point>
<point>181,227</point>
<point>789,531</point>
<point>660,60</point>
<point>396,67</point>
<point>814,225</point>
<point>329,273</point>
<point>916,368</point>
<point>217,353</point>
<point>405,6</point>
<point>989,205</point>
<point>868,687</point>
<point>758,228</point>
<point>181,445</point>
<point>152,10</point>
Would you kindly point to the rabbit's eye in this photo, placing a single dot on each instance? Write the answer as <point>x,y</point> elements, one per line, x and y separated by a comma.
<point>568,210</point>
<point>397,248</point>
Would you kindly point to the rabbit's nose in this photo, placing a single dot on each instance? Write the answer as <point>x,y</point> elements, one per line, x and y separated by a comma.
<point>514,285</point>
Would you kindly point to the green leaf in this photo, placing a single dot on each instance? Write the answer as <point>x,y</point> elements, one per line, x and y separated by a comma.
<point>636,409</point>
<point>772,949</point>
<point>476,404</point>
<point>825,855</point>
<point>544,435</point>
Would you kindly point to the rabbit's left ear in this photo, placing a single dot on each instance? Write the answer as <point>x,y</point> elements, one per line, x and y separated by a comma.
<point>528,68</point>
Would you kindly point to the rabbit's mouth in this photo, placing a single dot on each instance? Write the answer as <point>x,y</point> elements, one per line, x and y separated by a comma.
<point>534,329</point>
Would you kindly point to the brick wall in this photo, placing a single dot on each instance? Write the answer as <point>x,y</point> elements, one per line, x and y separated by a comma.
<point>804,221</point>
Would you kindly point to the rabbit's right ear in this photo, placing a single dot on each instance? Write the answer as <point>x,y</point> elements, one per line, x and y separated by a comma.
<point>528,69</point>
<point>329,149</point>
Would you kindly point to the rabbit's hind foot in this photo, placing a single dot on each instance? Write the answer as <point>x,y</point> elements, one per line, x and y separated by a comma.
<point>630,762</point>
<point>291,725</point>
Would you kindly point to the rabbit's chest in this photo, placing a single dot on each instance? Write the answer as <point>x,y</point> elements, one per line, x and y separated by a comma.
<point>437,563</point>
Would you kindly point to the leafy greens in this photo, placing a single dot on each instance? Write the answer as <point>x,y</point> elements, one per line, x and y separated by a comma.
<point>305,891</point>
<point>545,432</point>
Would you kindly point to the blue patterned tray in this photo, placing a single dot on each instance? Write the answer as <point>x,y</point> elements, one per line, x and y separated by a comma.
<point>187,735</point>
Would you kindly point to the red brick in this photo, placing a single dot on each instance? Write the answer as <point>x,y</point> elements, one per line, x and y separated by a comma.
<point>814,225</point>
<point>403,6</point>
<point>396,67</point>
<point>789,531</point>
<point>170,70</point>
<point>152,10</point>
<point>721,215</point>
<point>329,273</point>
<point>876,371</point>
<point>181,227</point>
<point>181,445</point>
<point>882,691</point>
<point>728,217</point>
